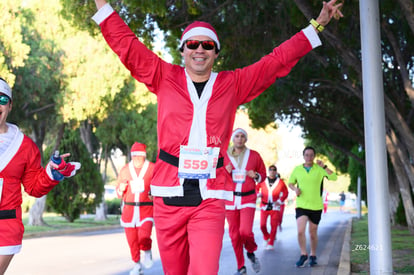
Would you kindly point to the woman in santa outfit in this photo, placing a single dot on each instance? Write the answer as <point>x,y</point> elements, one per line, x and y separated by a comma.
<point>133,186</point>
<point>247,169</point>
<point>20,164</point>
<point>273,192</point>
<point>196,111</point>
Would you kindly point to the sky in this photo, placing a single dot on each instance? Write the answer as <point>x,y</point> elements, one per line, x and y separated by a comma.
<point>292,144</point>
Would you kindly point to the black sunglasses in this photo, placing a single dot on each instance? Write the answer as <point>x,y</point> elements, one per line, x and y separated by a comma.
<point>272,169</point>
<point>206,44</point>
<point>4,99</point>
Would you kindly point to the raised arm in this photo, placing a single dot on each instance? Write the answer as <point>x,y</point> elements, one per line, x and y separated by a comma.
<point>328,11</point>
<point>100,3</point>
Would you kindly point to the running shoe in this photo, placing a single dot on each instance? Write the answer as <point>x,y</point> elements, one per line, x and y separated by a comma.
<point>241,271</point>
<point>302,261</point>
<point>255,261</point>
<point>137,270</point>
<point>312,261</point>
<point>147,259</point>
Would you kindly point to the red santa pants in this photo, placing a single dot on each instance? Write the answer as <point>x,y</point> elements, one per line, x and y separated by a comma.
<point>139,238</point>
<point>241,232</point>
<point>274,223</point>
<point>190,238</point>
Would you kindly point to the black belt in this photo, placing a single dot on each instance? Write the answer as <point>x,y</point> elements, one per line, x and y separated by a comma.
<point>173,160</point>
<point>242,194</point>
<point>144,203</point>
<point>7,214</point>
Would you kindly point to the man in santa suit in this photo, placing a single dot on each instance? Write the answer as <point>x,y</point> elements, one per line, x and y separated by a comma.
<point>133,186</point>
<point>247,169</point>
<point>20,164</point>
<point>196,111</point>
<point>273,192</point>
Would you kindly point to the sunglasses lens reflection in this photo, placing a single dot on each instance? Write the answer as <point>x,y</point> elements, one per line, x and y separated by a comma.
<point>193,44</point>
<point>4,99</point>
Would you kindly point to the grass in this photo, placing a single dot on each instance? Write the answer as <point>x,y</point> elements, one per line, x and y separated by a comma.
<point>402,248</point>
<point>56,223</point>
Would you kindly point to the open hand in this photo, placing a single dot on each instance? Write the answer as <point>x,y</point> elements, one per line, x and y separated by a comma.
<point>330,9</point>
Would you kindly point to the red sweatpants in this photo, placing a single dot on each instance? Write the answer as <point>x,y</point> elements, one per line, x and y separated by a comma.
<point>241,232</point>
<point>275,218</point>
<point>190,238</point>
<point>139,238</point>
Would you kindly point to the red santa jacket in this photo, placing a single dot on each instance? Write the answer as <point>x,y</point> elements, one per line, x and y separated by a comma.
<point>278,192</point>
<point>245,190</point>
<point>20,164</point>
<point>136,204</point>
<point>178,102</point>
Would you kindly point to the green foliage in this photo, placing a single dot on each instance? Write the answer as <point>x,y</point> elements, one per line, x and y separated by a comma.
<point>357,169</point>
<point>402,242</point>
<point>59,224</point>
<point>78,75</point>
<point>129,121</point>
<point>113,206</point>
<point>400,214</point>
<point>80,193</point>
<point>13,50</point>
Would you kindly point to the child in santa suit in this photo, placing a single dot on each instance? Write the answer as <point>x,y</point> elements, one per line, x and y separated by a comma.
<point>133,186</point>
<point>273,192</point>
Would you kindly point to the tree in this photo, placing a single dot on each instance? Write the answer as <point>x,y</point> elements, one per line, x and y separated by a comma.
<point>323,94</point>
<point>13,51</point>
<point>33,100</point>
<point>81,193</point>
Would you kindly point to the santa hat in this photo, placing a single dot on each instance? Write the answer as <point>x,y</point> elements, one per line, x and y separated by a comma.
<point>138,149</point>
<point>199,28</point>
<point>5,88</point>
<point>238,130</point>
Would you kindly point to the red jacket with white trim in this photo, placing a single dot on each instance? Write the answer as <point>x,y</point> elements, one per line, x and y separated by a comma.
<point>176,110</point>
<point>278,191</point>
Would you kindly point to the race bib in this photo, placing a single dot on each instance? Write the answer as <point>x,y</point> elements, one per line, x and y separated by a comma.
<point>239,176</point>
<point>137,185</point>
<point>197,163</point>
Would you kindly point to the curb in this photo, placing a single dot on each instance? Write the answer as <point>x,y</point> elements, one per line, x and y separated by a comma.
<point>345,262</point>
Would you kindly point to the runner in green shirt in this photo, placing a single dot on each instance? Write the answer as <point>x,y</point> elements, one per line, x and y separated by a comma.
<point>306,180</point>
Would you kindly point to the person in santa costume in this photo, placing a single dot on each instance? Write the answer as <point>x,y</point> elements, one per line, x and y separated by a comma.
<point>196,112</point>
<point>20,164</point>
<point>273,192</point>
<point>133,186</point>
<point>247,169</point>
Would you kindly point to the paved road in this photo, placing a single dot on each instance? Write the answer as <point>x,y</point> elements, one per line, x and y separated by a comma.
<point>107,252</point>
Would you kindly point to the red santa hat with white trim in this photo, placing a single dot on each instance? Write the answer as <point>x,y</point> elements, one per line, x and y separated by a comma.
<point>138,149</point>
<point>199,28</point>
<point>238,130</point>
<point>5,88</point>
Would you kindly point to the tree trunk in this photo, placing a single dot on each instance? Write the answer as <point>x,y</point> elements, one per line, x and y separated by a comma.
<point>101,210</point>
<point>37,209</point>
<point>403,184</point>
<point>404,157</point>
<point>113,166</point>
<point>36,212</point>
<point>85,133</point>
<point>394,196</point>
